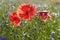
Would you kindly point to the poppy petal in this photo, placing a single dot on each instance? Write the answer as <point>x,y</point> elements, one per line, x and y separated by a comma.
<point>14,19</point>
<point>44,15</point>
<point>26,11</point>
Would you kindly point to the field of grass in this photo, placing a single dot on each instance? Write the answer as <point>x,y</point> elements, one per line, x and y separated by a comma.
<point>34,29</point>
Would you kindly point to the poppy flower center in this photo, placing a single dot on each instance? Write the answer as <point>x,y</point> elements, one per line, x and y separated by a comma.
<point>43,14</point>
<point>26,13</point>
<point>15,19</point>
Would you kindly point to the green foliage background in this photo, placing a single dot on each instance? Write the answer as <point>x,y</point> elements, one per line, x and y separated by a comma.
<point>35,29</point>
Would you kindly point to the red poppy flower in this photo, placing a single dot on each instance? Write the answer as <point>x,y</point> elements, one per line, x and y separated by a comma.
<point>15,19</point>
<point>26,11</point>
<point>44,16</point>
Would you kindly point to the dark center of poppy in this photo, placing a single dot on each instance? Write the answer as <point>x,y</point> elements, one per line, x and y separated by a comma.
<point>26,13</point>
<point>15,18</point>
<point>43,13</point>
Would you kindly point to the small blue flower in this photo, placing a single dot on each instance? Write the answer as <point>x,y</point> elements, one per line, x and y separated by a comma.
<point>3,23</point>
<point>24,33</point>
<point>53,33</point>
<point>40,28</point>
<point>47,16</point>
<point>8,12</point>
<point>35,28</point>
<point>2,38</point>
